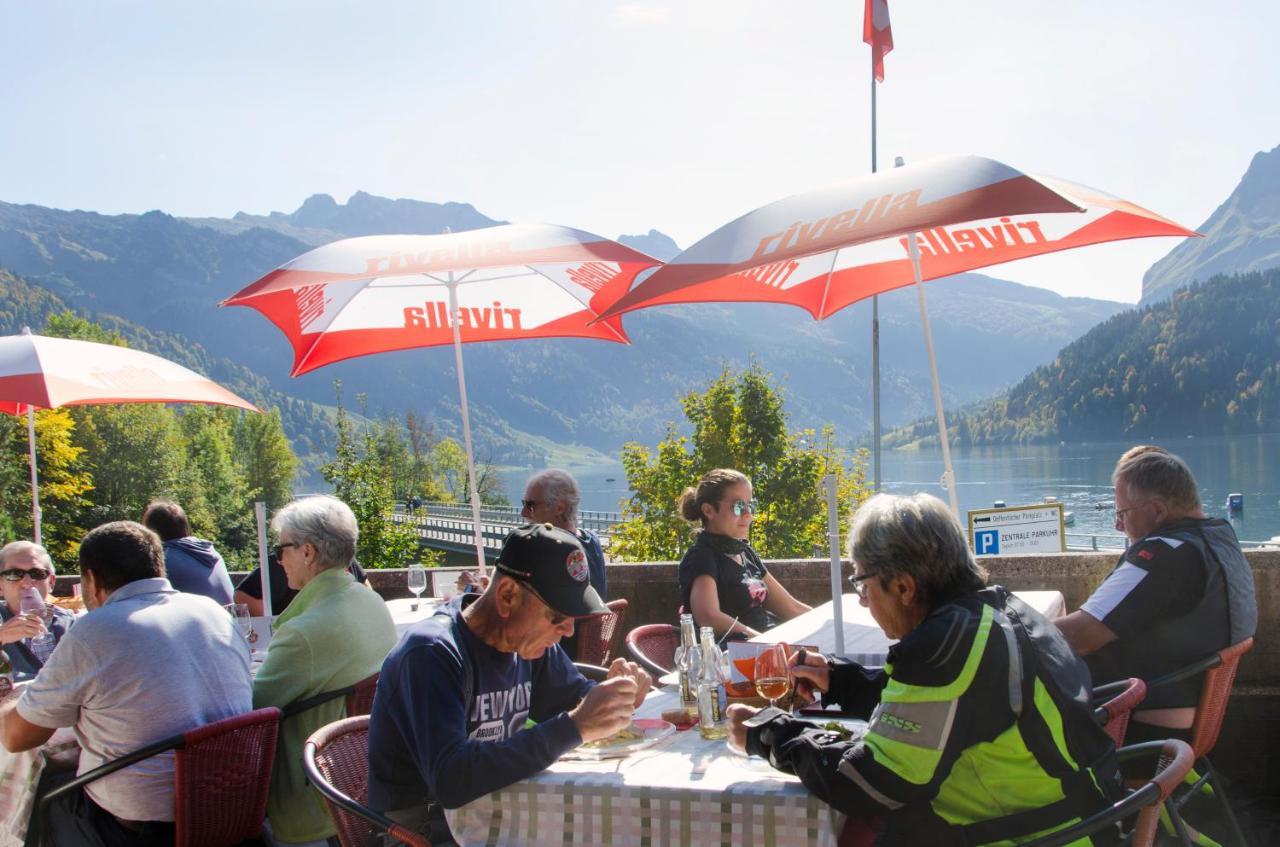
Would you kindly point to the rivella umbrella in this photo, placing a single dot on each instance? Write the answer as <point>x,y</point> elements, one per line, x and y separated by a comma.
<point>394,292</point>
<point>828,248</point>
<point>39,372</point>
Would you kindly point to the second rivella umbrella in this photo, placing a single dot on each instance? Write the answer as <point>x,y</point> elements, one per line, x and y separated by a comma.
<point>395,292</point>
<point>828,248</point>
<point>39,372</point>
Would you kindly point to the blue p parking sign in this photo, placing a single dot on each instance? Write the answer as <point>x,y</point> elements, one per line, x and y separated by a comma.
<point>986,542</point>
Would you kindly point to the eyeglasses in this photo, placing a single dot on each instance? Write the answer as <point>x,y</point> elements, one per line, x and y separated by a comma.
<point>277,549</point>
<point>529,505</point>
<point>1119,513</point>
<point>16,574</point>
<point>858,587</point>
<point>740,506</point>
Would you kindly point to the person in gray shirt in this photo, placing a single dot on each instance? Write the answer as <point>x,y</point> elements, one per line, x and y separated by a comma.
<point>145,663</point>
<point>191,564</point>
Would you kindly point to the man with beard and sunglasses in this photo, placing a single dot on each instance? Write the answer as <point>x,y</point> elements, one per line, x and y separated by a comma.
<point>450,717</point>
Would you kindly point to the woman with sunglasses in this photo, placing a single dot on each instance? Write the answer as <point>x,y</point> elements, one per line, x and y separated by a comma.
<point>722,580</point>
<point>24,565</point>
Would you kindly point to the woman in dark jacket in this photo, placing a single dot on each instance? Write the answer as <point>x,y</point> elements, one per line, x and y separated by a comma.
<point>721,577</point>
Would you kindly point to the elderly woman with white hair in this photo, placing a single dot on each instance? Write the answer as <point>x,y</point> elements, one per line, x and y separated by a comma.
<point>26,566</point>
<point>334,634</point>
<point>981,728</point>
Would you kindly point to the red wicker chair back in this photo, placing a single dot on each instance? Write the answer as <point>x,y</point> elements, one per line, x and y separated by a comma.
<point>1214,696</point>
<point>221,777</point>
<point>342,760</point>
<point>599,635</point>
<point>360,701</point>
<point>1116,711</point>
<point>654,646</point>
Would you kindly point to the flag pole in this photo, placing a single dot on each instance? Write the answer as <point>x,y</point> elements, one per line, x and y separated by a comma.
<point>875,314</point>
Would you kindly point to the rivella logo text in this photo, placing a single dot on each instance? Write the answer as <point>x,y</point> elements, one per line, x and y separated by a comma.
<point>941,241</point>
<point>461,254</point>
<point>435,315</point>
<point>801,235</point>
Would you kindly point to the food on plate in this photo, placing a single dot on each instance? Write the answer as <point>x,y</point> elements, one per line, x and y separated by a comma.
<point>839,729</point>
<point>681,718</point>
<point>622,736</point>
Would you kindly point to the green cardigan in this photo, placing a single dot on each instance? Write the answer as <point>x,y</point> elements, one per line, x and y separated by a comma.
<point>334,634</point>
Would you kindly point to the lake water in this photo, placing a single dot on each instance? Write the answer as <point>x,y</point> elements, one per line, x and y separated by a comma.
<point>1077,474</point>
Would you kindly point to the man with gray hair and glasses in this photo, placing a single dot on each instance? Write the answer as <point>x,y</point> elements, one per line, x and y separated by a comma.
<point>26,566</point>
<point>1181,591</point>
<point>552,496</point>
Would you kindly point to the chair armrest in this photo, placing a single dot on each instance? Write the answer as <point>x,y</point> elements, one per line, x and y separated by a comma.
<point>299,706</point>
<point>1103,693</point>
<point>1198,667</point>
<point>595,673</point>
<point>176,742</point>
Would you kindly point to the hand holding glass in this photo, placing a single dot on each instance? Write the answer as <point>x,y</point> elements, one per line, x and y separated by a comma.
<point>32,605</point>
<point>417,583</point>
<point>773,676</point>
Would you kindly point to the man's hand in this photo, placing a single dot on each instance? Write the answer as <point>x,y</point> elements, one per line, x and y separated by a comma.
<point>19,627</point>
<point>812,675</point>
<point>631,670</point>
<point>737,732</point>
<point>606,709</point>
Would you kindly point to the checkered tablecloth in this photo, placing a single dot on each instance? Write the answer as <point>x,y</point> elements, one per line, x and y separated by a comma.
<point>683,791</point>
<point>19,776</point>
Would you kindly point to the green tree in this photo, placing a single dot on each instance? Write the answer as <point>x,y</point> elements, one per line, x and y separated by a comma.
<point>266,459</point>
<point>359,480</point>
<point>449,470</point>
<point>63,481</point>
<point>738,422</point>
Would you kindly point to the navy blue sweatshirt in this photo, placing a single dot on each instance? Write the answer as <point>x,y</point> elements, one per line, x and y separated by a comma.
<point>429,740</point>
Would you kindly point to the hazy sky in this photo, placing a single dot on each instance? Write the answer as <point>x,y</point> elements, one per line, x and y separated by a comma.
<point>619,117</point>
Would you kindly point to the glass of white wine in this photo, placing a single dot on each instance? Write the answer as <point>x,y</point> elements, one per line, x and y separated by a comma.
<point>417,582</point>
<point>773,675</point>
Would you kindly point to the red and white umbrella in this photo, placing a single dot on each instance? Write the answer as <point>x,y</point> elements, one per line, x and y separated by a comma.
<point>39,372</point>
<point>828,248</point>
<point>380,293</point>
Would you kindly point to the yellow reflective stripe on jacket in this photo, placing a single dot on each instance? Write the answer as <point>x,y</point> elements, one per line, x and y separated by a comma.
<point>909,729</point>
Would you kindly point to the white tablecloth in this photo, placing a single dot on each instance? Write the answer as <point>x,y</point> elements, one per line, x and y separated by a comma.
<point>684,790</point>
<point>405,616</point>
<point>864,641</point>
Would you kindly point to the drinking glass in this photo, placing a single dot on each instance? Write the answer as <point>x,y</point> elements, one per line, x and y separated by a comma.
<point>244,621</point>
<point>773,676</point>
<point>417,582</point>
<point>32,604</point>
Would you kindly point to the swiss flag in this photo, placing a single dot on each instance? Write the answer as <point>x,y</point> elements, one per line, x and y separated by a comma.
<point>876,32</point>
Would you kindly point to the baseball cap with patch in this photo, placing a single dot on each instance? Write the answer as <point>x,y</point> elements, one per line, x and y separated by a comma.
<point>554,564</point>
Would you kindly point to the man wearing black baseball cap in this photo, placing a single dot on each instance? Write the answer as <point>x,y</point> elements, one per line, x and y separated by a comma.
<point>449,723</point>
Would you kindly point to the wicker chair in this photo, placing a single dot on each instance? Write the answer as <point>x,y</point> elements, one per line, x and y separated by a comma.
<point>1114,714</point>
<point>221,775</point>
<point>599,636</point>
<point>336,759</point>
<point>654,646</point>
<point>1219,675</point>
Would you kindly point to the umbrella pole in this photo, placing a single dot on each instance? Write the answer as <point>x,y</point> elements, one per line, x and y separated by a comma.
<point>833,541</point>
<point>35,484</point>
<point>948,475</point>
<point>466,421</point>
<point>264,561</point>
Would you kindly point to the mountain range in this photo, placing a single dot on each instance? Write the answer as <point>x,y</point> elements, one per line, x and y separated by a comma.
<point>559,400</point>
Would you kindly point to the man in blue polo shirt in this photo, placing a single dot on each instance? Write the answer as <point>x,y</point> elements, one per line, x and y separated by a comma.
<point>454,697</point>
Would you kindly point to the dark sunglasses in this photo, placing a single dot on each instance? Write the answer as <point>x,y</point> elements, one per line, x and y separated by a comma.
<point>16,574</point>
<point>277,549</point>
<point>530,505</point>
<point>740,506</point>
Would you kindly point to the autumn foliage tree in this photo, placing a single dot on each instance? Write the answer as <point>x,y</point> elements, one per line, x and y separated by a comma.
<point>738,422</point>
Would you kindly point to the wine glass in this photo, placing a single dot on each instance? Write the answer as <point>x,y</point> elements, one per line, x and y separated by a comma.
<point>244,621</point>
<point>773,675</point>
<point>417,582</point>
<point>32,605</point>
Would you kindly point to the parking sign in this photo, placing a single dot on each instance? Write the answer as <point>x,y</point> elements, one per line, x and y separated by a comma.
<point>1017,529</point>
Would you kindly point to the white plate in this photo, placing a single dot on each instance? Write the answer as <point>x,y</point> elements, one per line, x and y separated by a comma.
<point>654,729</point>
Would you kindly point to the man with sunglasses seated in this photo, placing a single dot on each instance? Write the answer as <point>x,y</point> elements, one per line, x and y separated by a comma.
<point>449,719</point>
<point>25,565</point>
